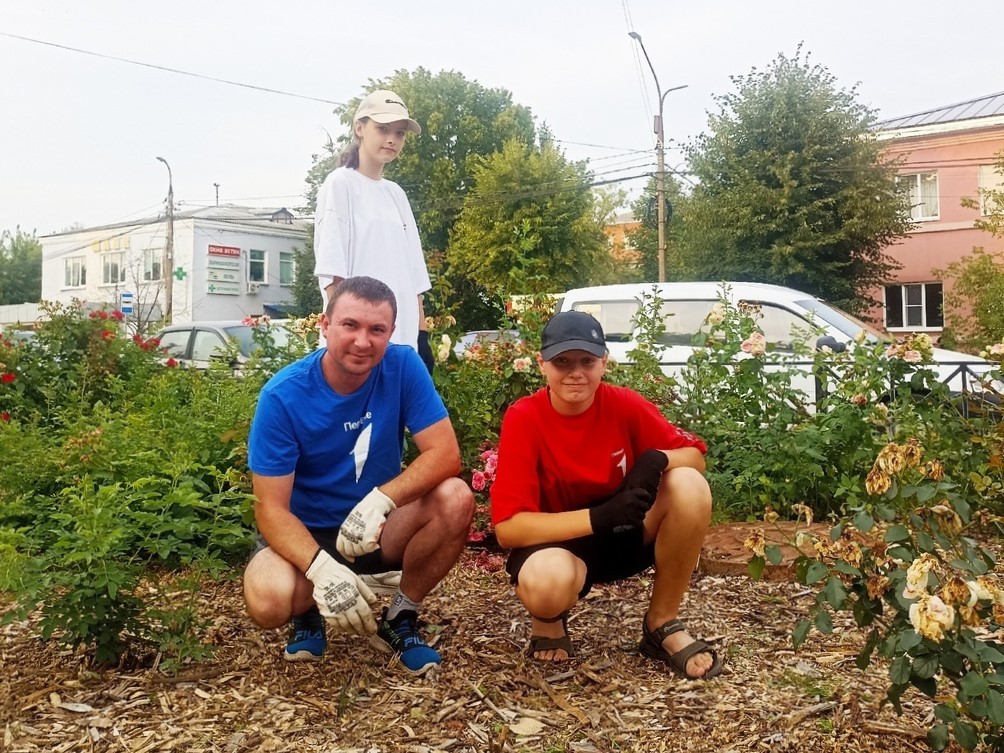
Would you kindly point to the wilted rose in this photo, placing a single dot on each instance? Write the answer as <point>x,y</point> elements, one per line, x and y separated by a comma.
<point>756,542</point>
<point>877,482</point>
<point>859,400</point>
<point>930,617</point>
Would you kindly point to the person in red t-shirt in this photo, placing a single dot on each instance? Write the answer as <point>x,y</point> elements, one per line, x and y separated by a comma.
<point>594,485</point>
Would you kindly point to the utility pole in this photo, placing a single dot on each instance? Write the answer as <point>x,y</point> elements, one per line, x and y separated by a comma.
<point>217,185</point>
<point>660,155</point>
<point>168,260</point>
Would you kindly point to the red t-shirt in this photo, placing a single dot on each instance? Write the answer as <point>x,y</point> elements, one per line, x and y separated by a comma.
<point>548,462</point>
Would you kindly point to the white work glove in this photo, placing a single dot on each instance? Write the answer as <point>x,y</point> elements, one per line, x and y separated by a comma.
<point>343,599</point>
<point>360,533</point>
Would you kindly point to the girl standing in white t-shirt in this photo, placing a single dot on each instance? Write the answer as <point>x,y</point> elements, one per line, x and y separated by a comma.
<point>364,224</point>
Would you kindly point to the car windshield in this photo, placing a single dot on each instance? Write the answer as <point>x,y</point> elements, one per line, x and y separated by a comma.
<point>847,324</point>
<point>244,334</point>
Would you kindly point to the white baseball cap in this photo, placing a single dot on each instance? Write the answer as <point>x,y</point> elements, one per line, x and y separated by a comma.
<point>385,106</point>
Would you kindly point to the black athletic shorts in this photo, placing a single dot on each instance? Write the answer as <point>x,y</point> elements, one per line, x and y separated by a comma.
<point>373,562</point>
<point>608,557</point>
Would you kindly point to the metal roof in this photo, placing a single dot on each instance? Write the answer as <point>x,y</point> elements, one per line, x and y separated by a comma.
<point>982,107</point>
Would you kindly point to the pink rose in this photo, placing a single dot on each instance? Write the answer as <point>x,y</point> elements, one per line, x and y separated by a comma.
<point>911,356</point>
<point>478,481</point>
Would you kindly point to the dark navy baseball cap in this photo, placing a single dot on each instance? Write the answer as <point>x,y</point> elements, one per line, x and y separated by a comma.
<point>572,330</point>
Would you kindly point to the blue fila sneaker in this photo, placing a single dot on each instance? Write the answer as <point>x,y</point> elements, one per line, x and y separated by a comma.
<point>306,639</point>
<point>401,636</point>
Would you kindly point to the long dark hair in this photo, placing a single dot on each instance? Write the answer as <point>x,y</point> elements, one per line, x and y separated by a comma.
<point>349,156</point>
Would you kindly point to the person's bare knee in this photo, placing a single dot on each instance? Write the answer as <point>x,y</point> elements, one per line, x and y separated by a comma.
<point>454,505</point>
<point>549,582</point>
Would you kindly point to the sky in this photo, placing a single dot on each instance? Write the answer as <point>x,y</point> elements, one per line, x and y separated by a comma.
<point>80,134</point>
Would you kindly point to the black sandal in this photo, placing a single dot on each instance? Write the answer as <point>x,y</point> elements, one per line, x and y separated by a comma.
<point>542,643</point>
<point>651,646</point>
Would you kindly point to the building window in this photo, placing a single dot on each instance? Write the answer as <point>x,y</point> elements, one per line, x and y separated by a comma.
<point>152,263</point>
<point>286,267</point>
<point>75,272</point>
<point>991,180</point>
<point>112,268</point>
<point>256,266</point>
<point>922,192</point>
<point>914,306</point>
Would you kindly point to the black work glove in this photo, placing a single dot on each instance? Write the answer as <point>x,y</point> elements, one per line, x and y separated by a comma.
<point>646,473</point>
<point>425,350</point>
<point>622,511</point>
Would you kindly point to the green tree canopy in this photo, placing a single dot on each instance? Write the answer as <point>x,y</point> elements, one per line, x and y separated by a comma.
<point>20,267</point>
<point>792,188</point>
<point>528,224</point>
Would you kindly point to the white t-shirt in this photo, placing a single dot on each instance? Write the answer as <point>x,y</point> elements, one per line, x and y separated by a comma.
<point>365,227</point>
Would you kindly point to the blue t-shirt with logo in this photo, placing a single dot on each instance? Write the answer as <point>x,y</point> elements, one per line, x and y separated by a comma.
<point>339,446</point>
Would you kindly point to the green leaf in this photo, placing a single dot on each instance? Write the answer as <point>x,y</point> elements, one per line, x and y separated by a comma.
<point>909,638</point>
<point>926,666</point>
<point>816,571</point>
<point>824,623</point>
<point>989,654</point>
<point>974,684</point>
<point>945,713</point>
<point>756,567</point>
<point>864,657</point>
<point>924,542</point>
<point>899,670</point>
<point>926,685</point>
<point>774,555</point>
<point>900,553</point>
<point>885,512</point>
<point>834,593</point>
<point>995,707</point>
<point>836,531</point>
<point>864,522</point>
<point>965,735</point>
<point>846,568</point>
<point>800,632</point>
<point>925,493</point>
<point>897,533</point>
<point>937,737</point>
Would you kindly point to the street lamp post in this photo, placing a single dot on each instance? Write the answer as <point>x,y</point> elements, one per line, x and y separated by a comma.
<point>660,154</point>
<point>167,263</point>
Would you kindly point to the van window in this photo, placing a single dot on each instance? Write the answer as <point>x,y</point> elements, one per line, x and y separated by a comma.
<point>616,317</point>
<point>783,328</point>
<point>683,320</point>
<point>206,344</point>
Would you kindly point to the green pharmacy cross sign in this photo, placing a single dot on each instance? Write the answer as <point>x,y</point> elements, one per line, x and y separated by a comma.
<point>180,274</point>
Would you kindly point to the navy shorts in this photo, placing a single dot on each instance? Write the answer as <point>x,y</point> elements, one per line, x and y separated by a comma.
<point>608,557</point>
<point>373,562</point>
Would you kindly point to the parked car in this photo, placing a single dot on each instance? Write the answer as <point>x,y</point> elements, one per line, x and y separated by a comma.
<point>790,320</point>
<point>482,338</point>
<point>197,344</point>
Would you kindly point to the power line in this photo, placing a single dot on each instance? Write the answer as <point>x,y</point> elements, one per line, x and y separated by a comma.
<point>169,70</point>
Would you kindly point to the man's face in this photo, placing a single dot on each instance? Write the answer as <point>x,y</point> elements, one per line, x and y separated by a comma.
<point>357,334</point>
<point>573,376</point>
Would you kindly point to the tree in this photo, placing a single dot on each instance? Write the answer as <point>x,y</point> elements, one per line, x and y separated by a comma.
<point>793,188</point>
<point>646,237</point>
<point>528,224</point>
<point>20,267</point>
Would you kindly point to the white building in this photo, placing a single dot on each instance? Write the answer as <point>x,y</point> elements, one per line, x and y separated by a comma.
<point>229,262</point>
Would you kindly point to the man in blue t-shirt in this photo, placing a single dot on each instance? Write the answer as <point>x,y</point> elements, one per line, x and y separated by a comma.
<point>332,501</point>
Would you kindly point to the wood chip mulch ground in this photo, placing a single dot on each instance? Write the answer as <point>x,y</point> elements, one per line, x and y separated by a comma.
<point>487,696</point>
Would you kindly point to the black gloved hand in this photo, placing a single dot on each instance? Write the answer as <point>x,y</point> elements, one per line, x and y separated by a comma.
<point>425,350</point>
<point>622,511</point>
<point>646,473</point>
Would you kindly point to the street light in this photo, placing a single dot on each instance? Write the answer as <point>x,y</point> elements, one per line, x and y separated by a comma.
<point>660,151</point>
<point>167,263</point>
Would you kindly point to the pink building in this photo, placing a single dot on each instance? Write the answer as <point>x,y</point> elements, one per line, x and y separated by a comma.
<point>947,154</point>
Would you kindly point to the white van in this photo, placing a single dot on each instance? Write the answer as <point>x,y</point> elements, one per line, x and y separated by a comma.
<point>787,315</point>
